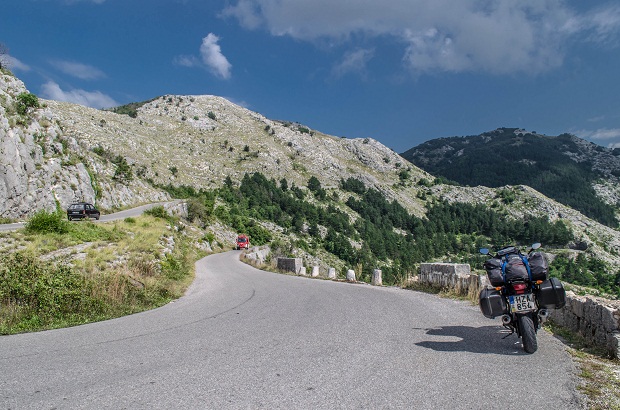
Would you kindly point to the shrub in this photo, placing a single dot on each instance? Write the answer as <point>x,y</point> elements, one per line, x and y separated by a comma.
<point>158,212</point>
<point>46,222</point>
<point>123,171</point>
<point>38,296</point>
<point>25,101</point>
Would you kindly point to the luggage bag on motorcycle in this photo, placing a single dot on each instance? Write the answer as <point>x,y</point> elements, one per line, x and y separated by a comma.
<point>551,294</point>
<point>538,266</point>
<point>515,269</point>
<point>494,272</point>
<point>492,303</point>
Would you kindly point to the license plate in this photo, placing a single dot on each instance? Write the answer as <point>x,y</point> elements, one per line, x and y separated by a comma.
<point>522,303</point>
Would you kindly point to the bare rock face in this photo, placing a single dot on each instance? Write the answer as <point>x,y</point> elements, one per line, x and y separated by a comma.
<point>41,167</point>
<point>32,174</point>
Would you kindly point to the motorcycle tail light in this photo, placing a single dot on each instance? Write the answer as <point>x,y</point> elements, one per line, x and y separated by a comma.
<point>519,288</point>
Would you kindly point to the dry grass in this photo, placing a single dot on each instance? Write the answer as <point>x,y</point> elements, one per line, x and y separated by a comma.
<point>129,266</point>
<point>599,374</point>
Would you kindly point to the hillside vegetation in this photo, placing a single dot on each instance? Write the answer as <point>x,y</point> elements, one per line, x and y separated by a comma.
<point>564,168</point>
<point>335,202</point>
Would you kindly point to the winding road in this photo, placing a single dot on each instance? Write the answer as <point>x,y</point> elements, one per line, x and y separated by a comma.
<point>137,211</point>
<point>245,338</point>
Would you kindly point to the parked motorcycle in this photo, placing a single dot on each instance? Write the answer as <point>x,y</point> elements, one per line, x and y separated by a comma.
<point>521,293</point>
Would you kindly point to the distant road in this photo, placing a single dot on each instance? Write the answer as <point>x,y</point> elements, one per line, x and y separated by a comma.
<point>104,218</point>
<point>242,338</point>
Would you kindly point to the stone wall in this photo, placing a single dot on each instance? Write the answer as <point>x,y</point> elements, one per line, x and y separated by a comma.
<point>597,320</point>
<point>457,277</point>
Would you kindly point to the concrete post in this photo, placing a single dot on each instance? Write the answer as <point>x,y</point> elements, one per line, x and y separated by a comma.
<point>377,279</point>
<point>351,275</point>
<point>315,271</point>
<point>331,273</point>
<point>302,271</point>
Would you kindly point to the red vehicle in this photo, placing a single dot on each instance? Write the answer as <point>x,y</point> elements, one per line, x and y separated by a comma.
<point>243,242</point>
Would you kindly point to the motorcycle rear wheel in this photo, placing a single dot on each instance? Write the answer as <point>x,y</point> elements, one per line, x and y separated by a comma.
<point>528,333</point>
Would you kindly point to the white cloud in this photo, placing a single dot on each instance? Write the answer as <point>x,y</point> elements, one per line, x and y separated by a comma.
<point>187,61</point>
<point>608,136</point>
<point>79,70</point>
<point>497,36</point>
<point>212,56</point>
<point>354,62</point>
<point>15,64</point>
<point>88,1</point>
<point>94,99</point>
<point>600,25</point>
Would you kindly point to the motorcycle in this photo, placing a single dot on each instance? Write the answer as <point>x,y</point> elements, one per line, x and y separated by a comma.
<point>522,292</point>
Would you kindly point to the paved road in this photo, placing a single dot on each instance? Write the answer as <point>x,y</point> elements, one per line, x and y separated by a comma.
<point>104,218</point>
<point>243,338</point>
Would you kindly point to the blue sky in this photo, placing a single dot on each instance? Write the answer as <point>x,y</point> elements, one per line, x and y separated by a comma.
<point>399,71</point>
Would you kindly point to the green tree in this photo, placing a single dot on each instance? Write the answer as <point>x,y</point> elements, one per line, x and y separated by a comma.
<point>26,101</point>
<point>123,172</point>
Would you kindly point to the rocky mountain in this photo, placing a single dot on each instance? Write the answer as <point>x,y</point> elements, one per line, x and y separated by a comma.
<point>59,152</point>
<point>572,171</point>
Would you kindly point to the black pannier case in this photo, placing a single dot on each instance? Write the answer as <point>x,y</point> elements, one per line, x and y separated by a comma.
<point>494,272</point>
<point>492,303</point>
<point>538,266</point>
<point>515,268</point>
<point>551,294</point>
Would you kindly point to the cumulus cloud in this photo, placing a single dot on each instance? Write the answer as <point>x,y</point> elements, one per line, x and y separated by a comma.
<point>79,70</point>
<point>501,37</point>
<point>94,99</point>
<point>211,57</point>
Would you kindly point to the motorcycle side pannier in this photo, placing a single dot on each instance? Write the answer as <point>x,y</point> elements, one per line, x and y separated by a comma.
<point>552,294</point>
<point>492,303</point>
<point>494,272</point>
<point>515,268</point>
<point>538,266</point>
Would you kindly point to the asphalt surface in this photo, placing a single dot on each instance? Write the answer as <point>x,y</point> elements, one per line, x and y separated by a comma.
<point>247,339</point>
<point>137,211</point>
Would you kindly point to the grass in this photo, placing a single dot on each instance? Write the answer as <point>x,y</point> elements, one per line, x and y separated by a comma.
<point>89,272</point>
<point>599,374</point>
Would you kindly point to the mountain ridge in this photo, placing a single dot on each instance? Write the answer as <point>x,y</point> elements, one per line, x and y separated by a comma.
<point>66,152</point>
<point>573,171</point>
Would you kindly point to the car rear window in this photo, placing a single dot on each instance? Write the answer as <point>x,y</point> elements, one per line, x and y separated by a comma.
<point>76,206</point>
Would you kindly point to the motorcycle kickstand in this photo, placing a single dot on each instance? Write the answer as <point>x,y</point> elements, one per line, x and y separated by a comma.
<point>512,332</point>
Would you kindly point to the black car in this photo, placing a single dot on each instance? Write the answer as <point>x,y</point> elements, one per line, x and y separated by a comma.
<point>82,210</point>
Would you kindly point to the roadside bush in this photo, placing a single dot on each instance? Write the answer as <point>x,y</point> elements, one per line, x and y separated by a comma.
<point>46,222</point>
<point>158,212</point>
<point>34,295</point>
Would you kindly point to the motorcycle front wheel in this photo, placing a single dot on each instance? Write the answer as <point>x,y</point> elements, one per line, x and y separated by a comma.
<point>528,333</point>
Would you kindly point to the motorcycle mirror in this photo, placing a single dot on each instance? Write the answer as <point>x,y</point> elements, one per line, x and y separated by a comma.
<point>484,251</point>
<point>536,245</point>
